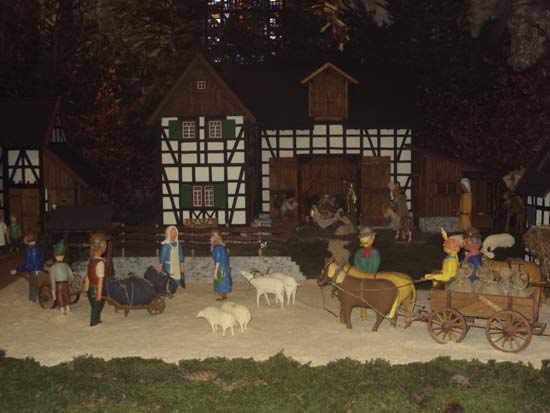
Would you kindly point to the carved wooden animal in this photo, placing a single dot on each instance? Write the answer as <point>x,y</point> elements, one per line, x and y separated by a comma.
<point>377,294</point>
<point>338,250</point>
<point>406,295</point>
<point>403,225</point>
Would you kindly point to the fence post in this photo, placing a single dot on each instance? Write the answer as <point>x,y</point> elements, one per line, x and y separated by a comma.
<point>260,252</point>
<point>123,242</point>
<point>157,249</point>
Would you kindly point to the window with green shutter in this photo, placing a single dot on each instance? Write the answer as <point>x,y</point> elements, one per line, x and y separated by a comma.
<point>175,130</point>
<point>220,195</point>
<point>185,196</point>
<point>229,129</point>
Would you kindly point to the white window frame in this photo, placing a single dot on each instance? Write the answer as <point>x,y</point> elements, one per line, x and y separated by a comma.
<point>197,200</point>
<point>209,196</point>
<point>201,84</point>
<point>189,129</point>
<point>215,129</point>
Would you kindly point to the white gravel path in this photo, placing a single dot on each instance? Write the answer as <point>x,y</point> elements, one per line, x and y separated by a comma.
<point>304,332</point>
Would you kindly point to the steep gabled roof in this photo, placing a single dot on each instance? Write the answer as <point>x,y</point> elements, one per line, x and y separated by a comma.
<point>327,66</point>
<point>27,123</point>
<point>179,86</point>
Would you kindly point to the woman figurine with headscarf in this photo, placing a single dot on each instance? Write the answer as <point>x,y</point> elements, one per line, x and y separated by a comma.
<point>222,272</point>
<point>171,256</point>
<point>465,206</point>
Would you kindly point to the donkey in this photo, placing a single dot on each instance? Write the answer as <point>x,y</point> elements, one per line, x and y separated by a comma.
<point>377,294</point>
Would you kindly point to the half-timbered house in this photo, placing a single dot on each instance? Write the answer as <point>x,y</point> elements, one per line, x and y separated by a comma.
<point>37,168</point>
<point>234,137</point>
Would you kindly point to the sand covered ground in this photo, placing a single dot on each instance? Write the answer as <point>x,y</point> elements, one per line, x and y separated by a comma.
<point>304,331</point>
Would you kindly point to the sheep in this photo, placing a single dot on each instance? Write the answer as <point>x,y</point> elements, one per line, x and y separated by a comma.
<point>217,317</point>
<point>291,285</point>
<point>264,286</point>
<point>495,241</point>
<point>240,313</point>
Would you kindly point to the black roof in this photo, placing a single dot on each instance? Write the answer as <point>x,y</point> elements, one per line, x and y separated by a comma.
<point>381,99</point>
<point>536,179</point>
<point>26,123</point>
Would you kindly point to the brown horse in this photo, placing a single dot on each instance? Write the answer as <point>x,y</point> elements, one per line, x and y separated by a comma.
<point>377,294</point>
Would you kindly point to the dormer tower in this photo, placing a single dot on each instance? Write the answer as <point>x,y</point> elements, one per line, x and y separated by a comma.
<point>328,93</point>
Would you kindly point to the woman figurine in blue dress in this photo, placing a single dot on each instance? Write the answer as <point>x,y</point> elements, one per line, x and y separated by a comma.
<point>222,272</point>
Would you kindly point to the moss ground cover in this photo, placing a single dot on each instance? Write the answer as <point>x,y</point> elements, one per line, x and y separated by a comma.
<point>277,385</point>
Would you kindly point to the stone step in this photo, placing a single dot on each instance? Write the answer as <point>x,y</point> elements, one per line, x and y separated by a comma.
<point>200,269</point>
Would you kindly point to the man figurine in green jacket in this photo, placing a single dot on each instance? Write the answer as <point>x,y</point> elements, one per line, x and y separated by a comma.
<point>367,258</point>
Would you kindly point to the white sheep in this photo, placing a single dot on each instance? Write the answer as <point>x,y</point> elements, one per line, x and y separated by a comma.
<point>290,283</point>
<point>495,241</point>
<point>217,317</point>
<point>266,286</point>
<point>240,313</point>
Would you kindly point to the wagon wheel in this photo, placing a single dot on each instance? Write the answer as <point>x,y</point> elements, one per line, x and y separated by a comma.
<point>447,325</point>
<point>45,298</point>
<point>77,283</point>
<point>157,305</point>
<point>508,331</point>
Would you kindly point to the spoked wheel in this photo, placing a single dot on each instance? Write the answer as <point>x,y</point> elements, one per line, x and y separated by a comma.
<point>157,305</point>
<point>447,325</point>
<point>45,298</point>
<point>508,331</point>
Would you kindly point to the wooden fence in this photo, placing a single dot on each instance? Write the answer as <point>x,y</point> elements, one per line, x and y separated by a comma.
<point>146,240</point>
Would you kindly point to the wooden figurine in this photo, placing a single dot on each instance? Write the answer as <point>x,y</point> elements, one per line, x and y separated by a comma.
<point>4,233</point>
<point>377,294</point>
<point>61,275</point>
<point>351,201</point>
<point>34,262</point>
<point>472,245</point>
<point>465,206</point>
<point>450,263</point>
<point>171,256</point>
<point>14,230</point>
<point>367,258</point>
<point>95,277</point>
<point>222,271</point>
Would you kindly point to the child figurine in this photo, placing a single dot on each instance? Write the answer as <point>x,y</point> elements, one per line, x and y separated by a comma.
<point>472,245</point>
<point>61,275</point>
<point>34,261</point>
<point>171,256</point>
<point>95,276</point>
<point>14,230</point>
<point>450,262</point>
<point>367,258</point>
<point>222,272</point>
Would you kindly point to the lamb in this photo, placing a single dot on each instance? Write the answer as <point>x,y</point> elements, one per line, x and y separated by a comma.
<point>217,317</point>
<point>495,241</point>
<point>240,313</point>
<point>291,285</point>
<point>266,285</point>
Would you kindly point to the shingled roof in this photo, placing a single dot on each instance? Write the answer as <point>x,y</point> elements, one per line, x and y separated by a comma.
<point>27,123</point>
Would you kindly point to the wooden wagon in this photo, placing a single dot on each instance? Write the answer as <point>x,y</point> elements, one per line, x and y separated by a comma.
<point>509,322</point>
<point>42,283</point>
<point>155,307</point>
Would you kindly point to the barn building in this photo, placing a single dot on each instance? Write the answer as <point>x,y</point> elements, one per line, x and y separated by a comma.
<point>38,170</point>
<point>234,137</point>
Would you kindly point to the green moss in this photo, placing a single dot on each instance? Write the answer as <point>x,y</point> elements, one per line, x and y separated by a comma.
<point>277,385</point>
